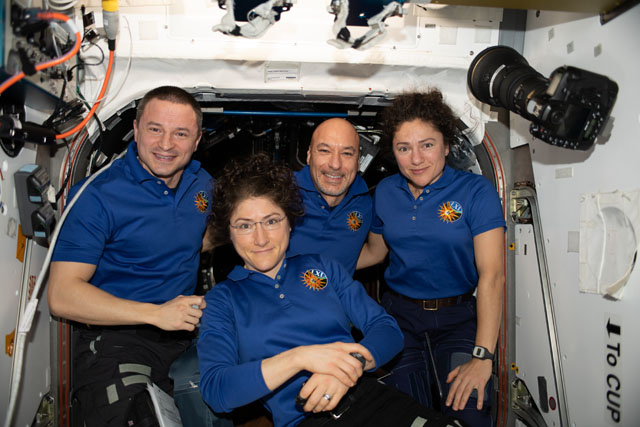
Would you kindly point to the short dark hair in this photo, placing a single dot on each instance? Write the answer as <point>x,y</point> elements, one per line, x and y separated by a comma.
<point>172,94</point>
<point>427,106</point>
<point>255,176</point>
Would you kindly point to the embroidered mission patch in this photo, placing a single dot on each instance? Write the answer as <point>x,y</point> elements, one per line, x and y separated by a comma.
<point>314,279</point>
<point>354,220</point>
<point>450,211</point>
<point>202,201</point>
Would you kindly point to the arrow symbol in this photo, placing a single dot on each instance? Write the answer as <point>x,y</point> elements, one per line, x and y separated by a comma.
<point>612,329</point>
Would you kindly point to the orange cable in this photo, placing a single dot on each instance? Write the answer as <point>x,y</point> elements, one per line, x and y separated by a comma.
<point>71,162</point>
<point>60,389</point>
<point>68,377</point>
<point>95,105</point>
<point>503,340</point>
<point>44,65</point>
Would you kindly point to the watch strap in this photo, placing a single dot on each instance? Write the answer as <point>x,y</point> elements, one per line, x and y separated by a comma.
<point>482,353</point>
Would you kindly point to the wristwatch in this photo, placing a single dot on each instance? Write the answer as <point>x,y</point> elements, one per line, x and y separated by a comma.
<point>482,353</point>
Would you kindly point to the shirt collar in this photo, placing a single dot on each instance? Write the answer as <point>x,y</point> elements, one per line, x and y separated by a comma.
<point>140,174</point>
<point>240,273</point>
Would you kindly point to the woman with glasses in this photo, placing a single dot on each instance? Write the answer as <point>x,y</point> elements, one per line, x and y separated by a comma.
<point>279,328</point>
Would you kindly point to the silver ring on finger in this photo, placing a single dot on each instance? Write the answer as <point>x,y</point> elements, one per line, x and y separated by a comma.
<point>327,396</point>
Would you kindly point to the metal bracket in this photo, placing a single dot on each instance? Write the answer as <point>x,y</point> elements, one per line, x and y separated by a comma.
<point>259,19</point>
<point>524,209</point>
<point>524,406</point>
<point>343,39</point>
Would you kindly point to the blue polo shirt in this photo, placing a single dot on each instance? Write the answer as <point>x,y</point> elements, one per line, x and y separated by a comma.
<point>250,317</point>
<point>337,232</point>
<point>143,238</point>
<point>430,238</point>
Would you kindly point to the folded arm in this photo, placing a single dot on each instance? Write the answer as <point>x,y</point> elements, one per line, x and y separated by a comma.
<point>71,296</point>
<point>330,359</point>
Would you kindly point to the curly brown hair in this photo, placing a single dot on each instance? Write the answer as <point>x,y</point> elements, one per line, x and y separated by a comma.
<point>426,106</point>
<point>255,176</point>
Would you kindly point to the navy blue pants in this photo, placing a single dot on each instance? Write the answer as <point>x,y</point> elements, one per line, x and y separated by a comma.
<point>194,412</point>
<point>435,342</point>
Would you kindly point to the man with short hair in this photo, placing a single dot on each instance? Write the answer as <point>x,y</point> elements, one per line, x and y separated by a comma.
<point>126,260</point>
<point>336,198</point>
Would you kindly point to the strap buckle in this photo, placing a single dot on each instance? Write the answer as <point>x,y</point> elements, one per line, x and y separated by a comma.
<point>430,304</point>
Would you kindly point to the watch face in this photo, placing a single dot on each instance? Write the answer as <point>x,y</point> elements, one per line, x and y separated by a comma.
<point>481,353</point>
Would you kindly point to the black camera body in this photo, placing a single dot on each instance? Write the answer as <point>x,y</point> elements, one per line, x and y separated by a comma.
<point>573,109</point>
<point>568,109</point>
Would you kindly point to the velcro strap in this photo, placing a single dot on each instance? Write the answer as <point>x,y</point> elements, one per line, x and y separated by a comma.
<point>135,367</point>
<point>92,344</point>
<point>112,394</point>
<point>135,379</point>
<point>419,422</point>
<point>112,389</point>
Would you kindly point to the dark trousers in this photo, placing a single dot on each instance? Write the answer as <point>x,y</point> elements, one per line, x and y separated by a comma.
<point>111,365</point>
<point>371,403</point>
<point>194,412</point>
<point>435,343</point>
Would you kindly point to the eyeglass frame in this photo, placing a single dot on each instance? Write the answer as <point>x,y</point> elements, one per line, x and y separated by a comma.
<point>254,225</point>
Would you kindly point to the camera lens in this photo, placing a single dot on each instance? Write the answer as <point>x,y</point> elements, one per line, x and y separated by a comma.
<point>568,109</point>
<point>501,77</point>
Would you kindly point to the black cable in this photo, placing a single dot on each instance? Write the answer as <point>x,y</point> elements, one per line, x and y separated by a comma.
<point>68,175</point>
<point>84,63</point>
<point>64,111</point>
<point>59,105</point>
<point>98,146</point>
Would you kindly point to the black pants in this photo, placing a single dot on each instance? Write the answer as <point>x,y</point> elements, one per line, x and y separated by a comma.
<point>113,364</point>
<point>371,403</point>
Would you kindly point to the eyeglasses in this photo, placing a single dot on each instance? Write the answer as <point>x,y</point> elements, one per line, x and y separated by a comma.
<point>249,227</point>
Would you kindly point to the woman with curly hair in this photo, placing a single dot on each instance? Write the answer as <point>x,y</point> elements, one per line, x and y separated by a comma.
<point>444,232</point>
<point>279,328</point>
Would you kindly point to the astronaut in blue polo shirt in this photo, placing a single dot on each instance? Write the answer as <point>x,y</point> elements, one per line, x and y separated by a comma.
<point>443,230</point>
<point>278,329</point>
<point>336,198</point>
<point>126,260</point>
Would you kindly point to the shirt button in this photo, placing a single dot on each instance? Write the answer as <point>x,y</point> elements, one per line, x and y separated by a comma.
<point>281,296</point>
<point>322,207</point>
<point>278,277</point>
<point>413,218</point>
<point>420,197</point>
<point>427,191</point>
<point>165,192</point>
<point>158,182</point>
<point>415,206</point>
<point>277,286</point>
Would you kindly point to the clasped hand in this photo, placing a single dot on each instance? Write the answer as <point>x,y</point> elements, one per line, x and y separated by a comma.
<point>334,372</point>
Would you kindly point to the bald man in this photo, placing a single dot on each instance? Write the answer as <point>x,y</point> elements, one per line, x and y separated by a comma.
<point>337,203</point>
